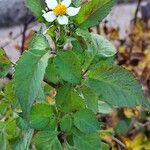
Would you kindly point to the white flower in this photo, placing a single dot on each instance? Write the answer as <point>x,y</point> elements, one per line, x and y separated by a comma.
<point>59,11</point>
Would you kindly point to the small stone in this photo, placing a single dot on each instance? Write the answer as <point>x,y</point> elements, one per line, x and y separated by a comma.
<point>12,12</point>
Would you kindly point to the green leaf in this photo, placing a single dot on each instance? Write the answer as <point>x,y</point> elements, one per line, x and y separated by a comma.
<point>68,100</point>
<point>93,12</point>
<point>36,6</point>
<point>41,95</point>
<point>52,73</point>
<point>39,42</point>
<point>116,86</point>
<point>66,146</point>
<point>66,123</point>
<point>76,3</point>
<point>91,98</point>
<point>40,116</point>
<point>3,107</point>
<point>84,141</point>
<point>47,140</point>
<point>28,77</point>
<point>101,46</point>
<point>86,37</point>
<point>104,108</point>
<point>5,63</point>
<point>85,121</point>
<point>24,142</point>
<point>69,67</point>
<point>104,146</point>
<point>22,124</point>
<point>3,137</point>
<point>99,61</point>
<point>11,129</point>
<point>99,49</point>
<point>10,95</point>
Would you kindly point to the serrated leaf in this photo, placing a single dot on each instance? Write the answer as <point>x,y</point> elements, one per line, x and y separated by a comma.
<point>5,63</point>
<point>85,121</point>
<point>28,77</point>
<point>91,98</point>
<point>93,12</point>
<point>84,141</point>
<point>69,67</point>
<point>68,100</point>
<point>47,140</point>
<point>101,46</point>
<point>40,116</point>
<point>116,86</point>
<point>36,6</point>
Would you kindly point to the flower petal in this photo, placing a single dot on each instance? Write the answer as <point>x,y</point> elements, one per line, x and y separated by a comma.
<point>49,16</point>
<point>66,2</point>
<point>72,11</point>
<point>51,4</point>
<point>62,20</point>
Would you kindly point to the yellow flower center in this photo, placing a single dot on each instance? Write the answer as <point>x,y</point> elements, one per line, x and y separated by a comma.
<point>60,10</point>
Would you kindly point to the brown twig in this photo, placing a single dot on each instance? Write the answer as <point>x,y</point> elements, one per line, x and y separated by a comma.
<point>137,10</point>
<point>28,20</point>
<point>119,142</point>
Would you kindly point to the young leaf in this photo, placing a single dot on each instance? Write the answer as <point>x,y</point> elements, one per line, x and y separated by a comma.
<point>68,100</point>
<point>84,141</point>
<point>36,6</point>
<point>5,63</point>
<point>29,74</point>
<point>39,42</point>
<point>47,140</point>
<point>101,46</point>
<point>40,116</point>
<point>69,67</point>
<point>85,121</point>
<point>93,12</point>
<point>116,86</point>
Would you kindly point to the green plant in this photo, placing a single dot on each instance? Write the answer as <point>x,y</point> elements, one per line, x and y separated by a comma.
<point>59,87</point>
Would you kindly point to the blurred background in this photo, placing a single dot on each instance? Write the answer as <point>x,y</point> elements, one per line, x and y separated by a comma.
<point>128,27</point>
